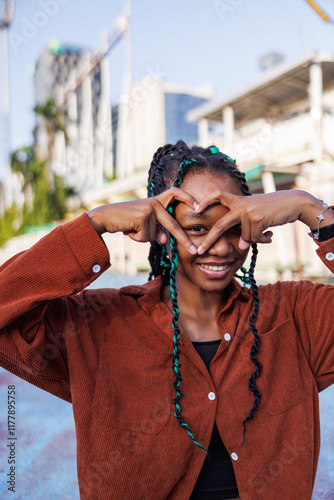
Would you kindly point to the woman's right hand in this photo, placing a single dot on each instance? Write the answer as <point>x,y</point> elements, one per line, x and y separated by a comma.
<point>145,220</point>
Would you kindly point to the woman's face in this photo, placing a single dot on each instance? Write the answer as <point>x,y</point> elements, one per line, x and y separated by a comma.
<point>213,270</point>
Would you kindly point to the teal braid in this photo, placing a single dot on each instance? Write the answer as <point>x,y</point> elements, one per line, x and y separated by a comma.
<point>152,188</point>
<point>176,313</point>
<point>244,277</point>
<point>164,260</point>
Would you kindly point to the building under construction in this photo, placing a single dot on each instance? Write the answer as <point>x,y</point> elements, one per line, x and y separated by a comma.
<point>84,156</point>
<point>280,129</point>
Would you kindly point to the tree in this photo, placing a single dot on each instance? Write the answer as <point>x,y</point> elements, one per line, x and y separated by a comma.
<point>54,121</point>
<point>24,163</point>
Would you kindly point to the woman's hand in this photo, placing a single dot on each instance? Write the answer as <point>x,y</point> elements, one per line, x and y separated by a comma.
<point>144,220</point>
<point>257,213</point>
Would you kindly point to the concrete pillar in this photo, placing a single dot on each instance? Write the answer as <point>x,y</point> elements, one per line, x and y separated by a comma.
<point>86,132</point>
<point>73,164</point>
<point>103,132</point>
<point>315,97</point>
<point>269,186</point>
<point>228,120</point>
<point>203,133</point>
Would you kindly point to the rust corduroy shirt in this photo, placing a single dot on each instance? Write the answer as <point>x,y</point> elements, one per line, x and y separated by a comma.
<point>109,353</point>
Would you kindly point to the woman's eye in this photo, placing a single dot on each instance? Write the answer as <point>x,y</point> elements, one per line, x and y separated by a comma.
<point>236,228</point>
<point>196,229</point>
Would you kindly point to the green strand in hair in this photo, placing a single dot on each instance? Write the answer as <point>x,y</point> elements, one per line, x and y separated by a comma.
<point>244,277</point>
<point>175,324</point>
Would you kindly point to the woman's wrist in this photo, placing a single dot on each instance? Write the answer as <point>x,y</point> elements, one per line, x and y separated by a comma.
<point>313,212</point>
<point>95,219</point>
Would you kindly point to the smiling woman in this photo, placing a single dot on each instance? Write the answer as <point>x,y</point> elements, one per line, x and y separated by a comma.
<point>166,378</point>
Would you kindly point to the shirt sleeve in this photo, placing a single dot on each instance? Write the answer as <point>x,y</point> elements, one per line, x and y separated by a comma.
<point>312,307</point>
<point>33,289</point>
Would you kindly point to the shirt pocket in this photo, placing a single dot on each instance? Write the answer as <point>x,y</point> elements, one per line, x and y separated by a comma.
<point>286,378</point>
<point>134,388</point>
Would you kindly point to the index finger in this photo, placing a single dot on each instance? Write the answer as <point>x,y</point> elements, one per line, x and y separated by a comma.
<point>169,223</point>
<point>176,194</point>
<point>224,224</point>
<point>225,198</point>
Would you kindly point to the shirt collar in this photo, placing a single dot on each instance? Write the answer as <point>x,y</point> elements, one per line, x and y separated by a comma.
<point>150,294</point>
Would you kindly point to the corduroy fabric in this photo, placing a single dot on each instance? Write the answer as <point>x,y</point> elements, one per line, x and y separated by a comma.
<point>109,352</point>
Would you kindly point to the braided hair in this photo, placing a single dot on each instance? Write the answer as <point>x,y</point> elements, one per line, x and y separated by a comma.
<point>169,166</point>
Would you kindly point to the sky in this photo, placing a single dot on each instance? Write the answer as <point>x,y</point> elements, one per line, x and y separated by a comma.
<point>189,42</point>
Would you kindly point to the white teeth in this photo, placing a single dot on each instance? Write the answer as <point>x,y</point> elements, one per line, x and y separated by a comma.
<point>214,268</point>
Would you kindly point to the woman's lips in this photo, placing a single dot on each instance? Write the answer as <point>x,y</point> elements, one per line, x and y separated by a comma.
<point>214,271</point>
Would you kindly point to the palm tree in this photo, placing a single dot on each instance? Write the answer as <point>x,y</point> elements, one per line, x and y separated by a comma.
<point>54,121</point>
<point>24,163</point>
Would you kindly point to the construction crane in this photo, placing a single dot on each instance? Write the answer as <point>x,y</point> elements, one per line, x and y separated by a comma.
<point>319,10</point>
<point>113,39</point>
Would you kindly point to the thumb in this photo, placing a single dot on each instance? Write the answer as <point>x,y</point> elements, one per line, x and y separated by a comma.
<point>161,237</point>
<point>243,245</point>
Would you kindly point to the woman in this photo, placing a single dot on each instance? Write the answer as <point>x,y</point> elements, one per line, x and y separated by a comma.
<point>190,386</point>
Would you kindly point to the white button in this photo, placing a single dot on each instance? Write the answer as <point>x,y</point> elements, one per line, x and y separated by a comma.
<point>227,336</point>
<point>96,268</point>
<point>211,396</point>
<point>330,256</point>
<point>234,456</point>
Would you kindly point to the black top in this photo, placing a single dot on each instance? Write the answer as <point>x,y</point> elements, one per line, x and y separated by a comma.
<point>216,480</point>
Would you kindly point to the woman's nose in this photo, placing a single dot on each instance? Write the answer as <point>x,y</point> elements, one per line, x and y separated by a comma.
<point>222,246</point>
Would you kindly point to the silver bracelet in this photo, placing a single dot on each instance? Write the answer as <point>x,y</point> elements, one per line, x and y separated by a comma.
<point>320,218</point>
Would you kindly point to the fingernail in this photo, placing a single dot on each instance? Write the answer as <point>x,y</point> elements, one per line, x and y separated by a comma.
<point>196,205</point>
<point>243,245</point>
<point>193,249</point>
<point>200,249</point>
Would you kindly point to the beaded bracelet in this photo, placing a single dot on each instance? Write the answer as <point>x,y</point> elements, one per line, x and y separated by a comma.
<point>320,218</point>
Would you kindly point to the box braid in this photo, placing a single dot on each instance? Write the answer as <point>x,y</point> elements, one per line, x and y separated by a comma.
<point>173,162</point>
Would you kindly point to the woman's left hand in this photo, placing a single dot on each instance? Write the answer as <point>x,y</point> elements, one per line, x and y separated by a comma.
<point>257,213</point>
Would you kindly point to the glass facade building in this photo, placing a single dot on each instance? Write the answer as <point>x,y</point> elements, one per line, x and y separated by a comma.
<point>177,106</point>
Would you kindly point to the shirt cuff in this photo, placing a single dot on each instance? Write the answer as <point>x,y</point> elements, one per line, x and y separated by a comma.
<point>326,253</point>
<point>86,245</point>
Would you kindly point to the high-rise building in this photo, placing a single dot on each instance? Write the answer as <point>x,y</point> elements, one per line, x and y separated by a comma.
<point>83,156</point>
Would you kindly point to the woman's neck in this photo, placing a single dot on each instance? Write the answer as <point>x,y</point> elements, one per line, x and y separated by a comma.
<point>198,311</point>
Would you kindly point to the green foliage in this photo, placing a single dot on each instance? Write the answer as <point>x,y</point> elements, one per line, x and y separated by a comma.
<point>45,200</point>
<point>24,162</point>
<point>47,206</point>
<point>8,222</point>
<point>54,118</point>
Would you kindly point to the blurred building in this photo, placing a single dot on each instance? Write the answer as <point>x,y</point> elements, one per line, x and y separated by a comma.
<point>158,116</point>
<point>280,130</point>
<point>81,90</point>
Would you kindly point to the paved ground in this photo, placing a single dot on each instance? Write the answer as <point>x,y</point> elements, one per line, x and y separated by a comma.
<point>46,441</point>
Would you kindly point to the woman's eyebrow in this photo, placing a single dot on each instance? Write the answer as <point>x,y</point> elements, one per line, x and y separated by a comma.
<point>194,215</point>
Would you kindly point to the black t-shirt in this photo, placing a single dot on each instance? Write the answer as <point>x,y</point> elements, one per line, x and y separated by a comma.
<point>216,480</point>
